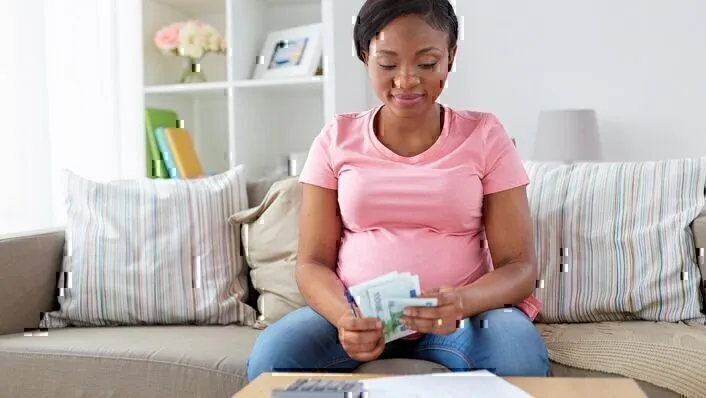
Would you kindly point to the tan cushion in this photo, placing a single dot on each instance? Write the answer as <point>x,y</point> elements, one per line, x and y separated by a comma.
<point>151,361</point>
<point>270,238</point>
<point>668,355</point>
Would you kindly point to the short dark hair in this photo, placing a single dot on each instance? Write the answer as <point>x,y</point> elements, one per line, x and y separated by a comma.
<point>376,14</point>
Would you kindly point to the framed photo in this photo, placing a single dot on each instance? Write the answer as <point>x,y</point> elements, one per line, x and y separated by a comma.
<point>294,52</point>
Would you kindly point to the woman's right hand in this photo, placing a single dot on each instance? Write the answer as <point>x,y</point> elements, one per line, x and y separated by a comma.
<point>362,338</point>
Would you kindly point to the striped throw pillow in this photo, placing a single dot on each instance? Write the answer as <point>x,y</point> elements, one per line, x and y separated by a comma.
<point>153,252</point>
<point>613,239</point>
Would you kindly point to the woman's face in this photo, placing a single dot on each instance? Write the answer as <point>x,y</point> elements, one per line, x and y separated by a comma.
<point>408,64</point>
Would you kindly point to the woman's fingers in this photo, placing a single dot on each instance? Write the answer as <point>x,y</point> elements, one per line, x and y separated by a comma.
<point>359,324</point>
<point>365,352</point>
<point>359,338</point>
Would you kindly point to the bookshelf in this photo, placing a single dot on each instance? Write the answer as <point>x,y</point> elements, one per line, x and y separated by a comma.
<point>234,119</point>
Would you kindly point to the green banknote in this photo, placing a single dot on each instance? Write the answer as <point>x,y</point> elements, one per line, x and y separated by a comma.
<point>393,309</point>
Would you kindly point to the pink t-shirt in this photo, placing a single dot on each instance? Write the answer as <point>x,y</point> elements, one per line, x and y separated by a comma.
<point>420,214</point>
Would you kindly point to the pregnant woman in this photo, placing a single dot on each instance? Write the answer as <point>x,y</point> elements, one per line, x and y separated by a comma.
<point>412,186</point>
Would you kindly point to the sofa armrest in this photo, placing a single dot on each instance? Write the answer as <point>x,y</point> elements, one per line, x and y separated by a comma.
<point>29,263</point>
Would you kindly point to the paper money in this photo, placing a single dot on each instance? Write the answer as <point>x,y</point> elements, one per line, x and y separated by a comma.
<point>360,293</point>
<point>386,297</point>
<point>393,311</point>
<point>398,288</point>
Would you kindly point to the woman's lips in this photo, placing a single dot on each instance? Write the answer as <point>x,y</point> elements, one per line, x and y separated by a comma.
<point>407,100</point>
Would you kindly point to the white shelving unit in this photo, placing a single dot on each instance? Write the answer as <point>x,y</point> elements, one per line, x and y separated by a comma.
<point>233,119</point>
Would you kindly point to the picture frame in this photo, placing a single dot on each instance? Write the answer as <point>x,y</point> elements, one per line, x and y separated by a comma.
<point>288,53</point>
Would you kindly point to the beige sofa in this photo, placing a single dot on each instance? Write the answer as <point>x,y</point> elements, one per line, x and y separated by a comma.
<point>209,361</point>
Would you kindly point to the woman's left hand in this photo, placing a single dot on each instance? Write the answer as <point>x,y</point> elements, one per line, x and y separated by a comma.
<point>443,319</point>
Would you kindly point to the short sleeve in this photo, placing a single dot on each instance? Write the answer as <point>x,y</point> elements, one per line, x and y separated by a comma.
<point>318,169</point>
<point>503,167</point>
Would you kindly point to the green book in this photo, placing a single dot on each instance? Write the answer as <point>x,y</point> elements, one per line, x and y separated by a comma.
<point>155,118</point>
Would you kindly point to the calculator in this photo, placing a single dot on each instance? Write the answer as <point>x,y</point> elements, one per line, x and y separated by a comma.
<point>321,388</point>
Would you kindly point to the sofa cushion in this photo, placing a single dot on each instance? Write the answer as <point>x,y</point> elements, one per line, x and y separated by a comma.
<point>149,251</point>
<point>257,188</point>
<point>270,237</point>
<point>148,361</point>
<point>613,240</point>
<point>668,355</point>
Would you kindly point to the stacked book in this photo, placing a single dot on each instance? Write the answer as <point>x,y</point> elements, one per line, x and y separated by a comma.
<point>170,150</point>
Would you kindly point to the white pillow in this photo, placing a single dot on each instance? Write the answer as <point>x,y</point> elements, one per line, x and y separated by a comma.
<point>614,241</point>
<point>153,251</point>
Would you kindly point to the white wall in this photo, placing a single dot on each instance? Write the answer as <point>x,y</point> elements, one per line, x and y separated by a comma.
<point>640,63</point>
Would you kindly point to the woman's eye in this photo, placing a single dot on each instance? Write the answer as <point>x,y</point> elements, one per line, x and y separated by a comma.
<point>423,66</point>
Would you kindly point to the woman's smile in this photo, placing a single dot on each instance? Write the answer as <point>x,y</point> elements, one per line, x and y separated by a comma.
<point>408,100</point>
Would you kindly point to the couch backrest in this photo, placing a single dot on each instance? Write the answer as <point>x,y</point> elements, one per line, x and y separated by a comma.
<point>29,264</point>
<point>258,189</point>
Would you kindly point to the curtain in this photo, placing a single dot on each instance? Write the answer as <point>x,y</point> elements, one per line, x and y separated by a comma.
<point>70,98</point>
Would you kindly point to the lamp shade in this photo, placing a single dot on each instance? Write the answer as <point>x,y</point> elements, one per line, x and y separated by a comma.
<point>568,135</point>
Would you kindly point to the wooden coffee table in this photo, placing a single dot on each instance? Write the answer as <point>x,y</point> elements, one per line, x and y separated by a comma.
<point>547,387</point>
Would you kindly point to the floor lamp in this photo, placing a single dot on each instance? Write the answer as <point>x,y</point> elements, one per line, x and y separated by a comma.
<point>568,135</point>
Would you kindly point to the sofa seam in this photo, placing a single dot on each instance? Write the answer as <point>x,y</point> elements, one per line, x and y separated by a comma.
<point>161,362</point>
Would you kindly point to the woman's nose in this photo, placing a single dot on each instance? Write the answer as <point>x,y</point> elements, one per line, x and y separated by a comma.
<point>406,81</point>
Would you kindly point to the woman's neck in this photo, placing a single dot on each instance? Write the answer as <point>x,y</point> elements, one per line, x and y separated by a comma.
<point>427,125</point>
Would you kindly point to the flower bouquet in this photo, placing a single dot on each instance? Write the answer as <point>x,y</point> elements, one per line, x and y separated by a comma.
<point>192,40</point>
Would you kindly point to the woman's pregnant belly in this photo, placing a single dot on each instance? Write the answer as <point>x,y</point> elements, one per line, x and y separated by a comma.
<point>438,259</point>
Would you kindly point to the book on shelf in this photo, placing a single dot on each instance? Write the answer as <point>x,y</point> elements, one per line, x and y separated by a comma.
<point>154,119</point>
<point>167,156</point>
<point>183,153</point>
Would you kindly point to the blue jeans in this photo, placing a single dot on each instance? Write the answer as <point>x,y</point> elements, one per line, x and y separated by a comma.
<point>502,341</point>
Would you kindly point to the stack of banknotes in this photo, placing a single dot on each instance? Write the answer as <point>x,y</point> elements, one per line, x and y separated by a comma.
<point>386,297</point>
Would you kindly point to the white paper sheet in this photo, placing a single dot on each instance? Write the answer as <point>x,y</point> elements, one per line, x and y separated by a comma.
<point>476,384</point>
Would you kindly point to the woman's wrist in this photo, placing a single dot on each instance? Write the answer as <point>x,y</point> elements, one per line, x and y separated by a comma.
<point>468,300</point>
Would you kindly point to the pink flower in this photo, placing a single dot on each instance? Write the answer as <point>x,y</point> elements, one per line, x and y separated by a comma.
<point>167,39</point>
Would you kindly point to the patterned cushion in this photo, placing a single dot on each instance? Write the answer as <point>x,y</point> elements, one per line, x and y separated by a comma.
<point>144,251</point>
<point>668,355</point>
<point>613,239</point>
